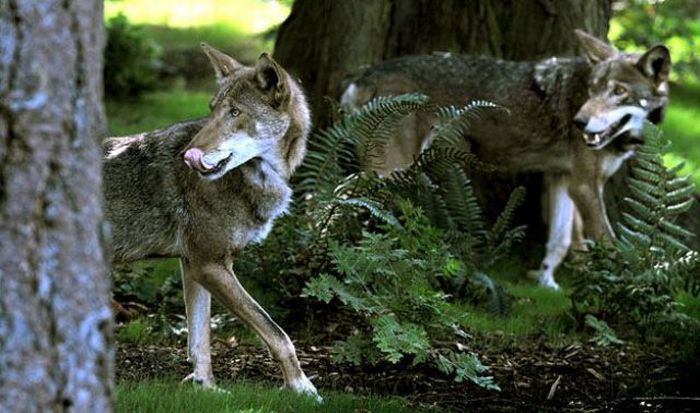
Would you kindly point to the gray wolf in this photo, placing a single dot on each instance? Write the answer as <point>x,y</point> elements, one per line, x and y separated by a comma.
<point>201,190</point>
<point>574,119</point>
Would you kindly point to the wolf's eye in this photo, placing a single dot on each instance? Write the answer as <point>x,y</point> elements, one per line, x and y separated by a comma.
<point>619,91</point>
<point>235,112</point>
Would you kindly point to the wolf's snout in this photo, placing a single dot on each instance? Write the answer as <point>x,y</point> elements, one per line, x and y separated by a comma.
<point>194,158</point>
<point>580,122</point>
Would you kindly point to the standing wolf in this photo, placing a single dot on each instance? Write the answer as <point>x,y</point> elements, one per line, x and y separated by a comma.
<point>201,190</point>
<point>574,119</point>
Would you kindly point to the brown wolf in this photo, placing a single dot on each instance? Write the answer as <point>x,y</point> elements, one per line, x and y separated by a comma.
<point>201,190</point>
<point>574,119</point>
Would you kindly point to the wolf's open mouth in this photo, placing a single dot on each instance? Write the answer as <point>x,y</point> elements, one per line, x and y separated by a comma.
<point>600,139</point>
<point>218,167</point>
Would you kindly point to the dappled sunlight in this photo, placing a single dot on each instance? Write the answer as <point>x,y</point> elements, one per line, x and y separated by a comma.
<point>247,16</point>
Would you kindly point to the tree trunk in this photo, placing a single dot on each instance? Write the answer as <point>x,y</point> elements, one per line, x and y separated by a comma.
<point>55,320</point>
<point>322,41</point>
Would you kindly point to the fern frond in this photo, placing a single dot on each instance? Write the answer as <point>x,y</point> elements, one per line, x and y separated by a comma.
<point>454,123</point>
<point>461,202</point>
<point>374,207</point>
<point>332,150</point>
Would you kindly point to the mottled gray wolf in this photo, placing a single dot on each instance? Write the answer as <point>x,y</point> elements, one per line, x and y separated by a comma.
<point>574,119</point>
<point>201,190</point>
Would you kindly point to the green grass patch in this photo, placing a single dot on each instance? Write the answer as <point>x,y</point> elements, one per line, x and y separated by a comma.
<point>535,311</point>
<point>170,396</point>
<point>156,110</point>
<point>139,331</point>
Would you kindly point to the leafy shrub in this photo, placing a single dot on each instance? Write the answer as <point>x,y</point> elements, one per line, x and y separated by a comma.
<point>604,335</point>
<point>633,283</point>
<point>132,62</point>
<point>344,245</point>
<point>154,284</point>
<point>399,275</point>
<point>387,279</point>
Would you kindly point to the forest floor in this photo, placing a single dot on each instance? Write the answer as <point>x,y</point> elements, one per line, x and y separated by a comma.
<point>533,376</point>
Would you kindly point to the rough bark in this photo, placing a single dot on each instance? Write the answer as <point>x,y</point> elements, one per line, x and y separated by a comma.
<point>324,40</point>
<point>55,320</point>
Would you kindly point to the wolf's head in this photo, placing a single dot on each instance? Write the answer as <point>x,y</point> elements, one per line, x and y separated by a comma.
<point>624,89</point>
<point>258,112</point>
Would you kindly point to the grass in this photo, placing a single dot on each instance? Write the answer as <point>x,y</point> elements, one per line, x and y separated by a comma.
<point>139,331</point>
<point>156,110</point>
<point>170,396</point>
<point>535,311</point>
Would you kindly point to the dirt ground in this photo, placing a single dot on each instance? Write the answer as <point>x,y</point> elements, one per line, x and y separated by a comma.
<point>532,375</point>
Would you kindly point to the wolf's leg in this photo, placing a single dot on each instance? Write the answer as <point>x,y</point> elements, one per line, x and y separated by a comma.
<point>561,217</point>
<point>578,238</point>
<point>198,311</point>
<point>220,280</point>
<point>590,203</point>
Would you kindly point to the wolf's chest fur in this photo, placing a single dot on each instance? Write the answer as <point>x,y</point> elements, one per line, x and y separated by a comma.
<point>229,213</point>
<point>261,195</point>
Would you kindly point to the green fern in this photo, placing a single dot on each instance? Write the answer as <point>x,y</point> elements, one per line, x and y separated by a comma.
<point>604,335</point>
<point>466,366</point>
<point>454,123</point>
<point>396,339</point>
<point>634,282</point>
<point>386,280</point>
<point>658,196</point>
<point>390,271</point>
<point>333,149</point>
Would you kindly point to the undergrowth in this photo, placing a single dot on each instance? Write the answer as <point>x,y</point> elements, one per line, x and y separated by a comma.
<point>633,284</point>
<point>401,252</point>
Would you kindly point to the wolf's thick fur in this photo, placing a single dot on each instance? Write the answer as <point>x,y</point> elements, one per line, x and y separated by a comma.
<point>202,190</point>
<point>606,95</point>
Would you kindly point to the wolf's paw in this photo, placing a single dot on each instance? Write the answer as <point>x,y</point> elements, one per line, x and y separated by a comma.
<point>304,386</point>
<point>203,381</point>
<point>543,279</point>
<point>549,283</point>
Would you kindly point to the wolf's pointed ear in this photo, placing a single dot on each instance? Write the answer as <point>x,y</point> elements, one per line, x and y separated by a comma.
<point>656,63</point>
<point>272,79</point>
<point>595,49</point>
<point>224,65</point>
